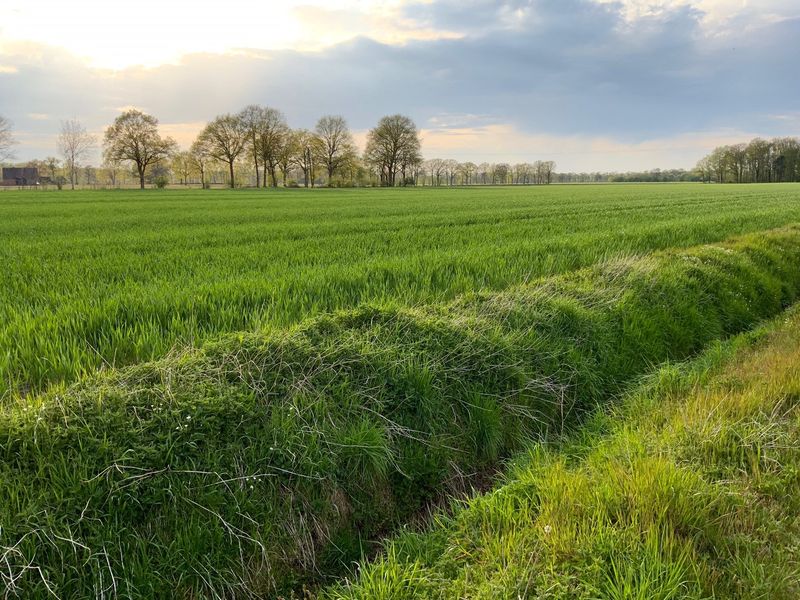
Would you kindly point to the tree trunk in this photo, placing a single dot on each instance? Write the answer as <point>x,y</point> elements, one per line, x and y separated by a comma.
<point>141,177</point>
<point>230,164</point>
<point>273,175</point>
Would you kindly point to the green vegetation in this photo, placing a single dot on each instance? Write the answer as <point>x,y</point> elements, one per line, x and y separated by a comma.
<point>92,279</point>
<point>690,489</point>
<point>264,460</point>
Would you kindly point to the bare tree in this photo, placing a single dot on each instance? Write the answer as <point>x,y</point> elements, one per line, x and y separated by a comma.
<point>287,153</point>
<point>336,147</point>
<point>451,170</point>
<point>521,173</point>
<point>133,136</point>
<point>226,137</point>
<point>200,155</point>
<point>74,144</point>
<point>483,172</point>
<point>435,166</point>
<point>307,149</point>
<point>549,168</point>
<point>273,133</point>
<point>467,169</point>
<point>392,147</point>
<point>500,173</point>
<point>7,141</point>
<point>252,117</point>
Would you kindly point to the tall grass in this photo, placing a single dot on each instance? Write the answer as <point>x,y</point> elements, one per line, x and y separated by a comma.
<point>689,490</point>
<point>93,279</point>
<point>265,460</point>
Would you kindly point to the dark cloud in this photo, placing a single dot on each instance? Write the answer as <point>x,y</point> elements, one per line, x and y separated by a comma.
<point>557,67</point>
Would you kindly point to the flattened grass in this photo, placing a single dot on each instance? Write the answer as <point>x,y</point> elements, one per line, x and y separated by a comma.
<point>263,461</point>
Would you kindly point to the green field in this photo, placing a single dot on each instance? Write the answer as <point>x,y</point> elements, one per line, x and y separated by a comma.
<point>268,388</point>
<point>91,279</point>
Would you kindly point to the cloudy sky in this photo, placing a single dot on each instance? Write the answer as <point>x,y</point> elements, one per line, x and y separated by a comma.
<point>591,84</point>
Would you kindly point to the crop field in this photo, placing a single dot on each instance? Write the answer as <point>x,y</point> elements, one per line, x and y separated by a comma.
<point>565,391</point>
<point>92,279</point>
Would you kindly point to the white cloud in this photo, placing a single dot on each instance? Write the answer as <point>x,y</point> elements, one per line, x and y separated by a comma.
<point>717,13</point>
<point>573,81</point>
<point>115,34</point>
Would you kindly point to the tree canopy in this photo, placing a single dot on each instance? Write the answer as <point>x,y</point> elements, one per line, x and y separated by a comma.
<point>393,147</point>
<point>134,137</point>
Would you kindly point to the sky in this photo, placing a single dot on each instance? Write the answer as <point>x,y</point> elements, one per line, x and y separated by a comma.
<point>596,85</point>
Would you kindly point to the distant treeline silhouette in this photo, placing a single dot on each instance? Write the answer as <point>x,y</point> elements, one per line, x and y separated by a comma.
<point>760,161</point>
<point>256,147</point>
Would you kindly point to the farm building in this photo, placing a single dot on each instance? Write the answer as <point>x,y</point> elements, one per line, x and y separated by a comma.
<point>20,176</point>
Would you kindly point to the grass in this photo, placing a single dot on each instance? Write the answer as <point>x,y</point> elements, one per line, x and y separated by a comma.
<point>98,279</point>
<point>690,489</point>
<point>265,460</point>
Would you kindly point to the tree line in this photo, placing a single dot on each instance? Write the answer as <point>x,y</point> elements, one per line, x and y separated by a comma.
<point>759,161</point>
<point>651,176</point>
<point>257,147</point>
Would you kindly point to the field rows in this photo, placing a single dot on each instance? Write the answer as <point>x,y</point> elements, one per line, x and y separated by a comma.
<point>97,278</point>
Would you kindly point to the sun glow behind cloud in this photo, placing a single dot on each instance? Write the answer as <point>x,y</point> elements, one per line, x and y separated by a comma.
<point>117,35</point>
<point>632,84</point>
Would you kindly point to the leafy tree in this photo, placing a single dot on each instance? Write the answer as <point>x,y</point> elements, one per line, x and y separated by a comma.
<point>273,135</point>
<point>200,155</point>
<point>134,137</point>
<point>392,147</point>
<point>336,147</point>
<point>51,164</point>
<point>225,138</point>
<point>182,166</point>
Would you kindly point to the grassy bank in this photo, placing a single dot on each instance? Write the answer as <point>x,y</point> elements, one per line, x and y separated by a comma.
<point>691,489</point>
<point>262,461</point>
<point>92,279</point>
